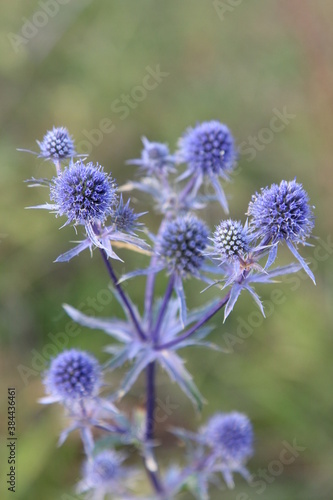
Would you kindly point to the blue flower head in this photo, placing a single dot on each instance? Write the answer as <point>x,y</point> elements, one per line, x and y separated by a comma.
<point>209,151</point>
<point>73,375</point>
<point>181,244</point>
<point>57,144</point>
<point>103,468</point>
<point>124,217</point>
<point>155,158</point>
<point>230,435</point>
<point>84,193</point>
<point>281,212</point>
<point>104,474</point>
<point>231,240</point>
<point>209,147</point>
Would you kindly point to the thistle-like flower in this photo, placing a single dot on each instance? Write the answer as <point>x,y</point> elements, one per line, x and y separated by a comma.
<point>179,248</point>
<point>155,158</point>
<point>229,435</point>
<point>181,245</point>
<point>231,241</point>
<point>86,195</point>
<point>282,213</point>
<point>209,151</point>
<point>124,217</point>
<point>230,438</point>
<point>73,376</point>
<point>57,144</point>
<point>74,379</point>
<point>103,474</point>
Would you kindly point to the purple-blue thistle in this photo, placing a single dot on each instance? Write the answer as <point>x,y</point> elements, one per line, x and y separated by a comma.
<point>84,193</point>
<point>230,240</point>
<point>281,212</point>
<point>73,375</point>
<point>181,244</point>
<point>104,475</point>
<point>208,148</point>
<point>155,158</point>
<point>57,144</point>
<point>87,196</point>
<point>124,217</point>
<point>230,435</point>
<point>209,151</point>
<point>103,468</point>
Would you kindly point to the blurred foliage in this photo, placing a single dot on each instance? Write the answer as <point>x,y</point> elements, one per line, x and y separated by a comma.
<point>238,67</point>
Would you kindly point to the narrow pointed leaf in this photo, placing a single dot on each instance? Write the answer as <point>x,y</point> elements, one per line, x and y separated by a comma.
<point>278,271</point>
<point>271,256</point>
<point>234,294</point>
<point>181,299</point>
<point>134,274</point>
<point>67,256</point>
<point>301,261</point>
<point>198,343</point>
<point>138,366</point>
<point>257,299</point>
<point>130,240</point>
<point>174,366</point>
<point>115,328</point>
<point>117,360</point>
<point>46,206</point>
<point>220,194</point>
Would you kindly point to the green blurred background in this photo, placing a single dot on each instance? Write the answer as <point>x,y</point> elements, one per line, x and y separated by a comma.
<point>236,61</point>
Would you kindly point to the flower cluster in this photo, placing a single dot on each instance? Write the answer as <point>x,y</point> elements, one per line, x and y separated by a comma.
<point>73,375</point>
<point>181,244</point>
<point>233,258</point>
<point>231,240</point>
<point>84,193</point>
<point>57,144</point>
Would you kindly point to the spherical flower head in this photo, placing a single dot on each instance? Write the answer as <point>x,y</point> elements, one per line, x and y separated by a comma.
<point>84,193</point>
<point>124,218</point>
<point>182,243</point>
<point>73,375</point>
<point>281,212</point>
<point>230,435</point>
<point>57,144</point>
<point>230,240</point>
<point>155,158</point>
<point>208,148</point>
<point>103,469</point>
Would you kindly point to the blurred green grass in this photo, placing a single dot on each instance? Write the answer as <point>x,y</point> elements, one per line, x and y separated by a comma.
<point>262,56</point>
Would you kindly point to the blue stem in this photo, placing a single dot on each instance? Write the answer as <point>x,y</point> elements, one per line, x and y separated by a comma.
<point>150,286</point>
<point>151,370</point>
<point>197,325</point>
<point>152,473</point>
<point>163,308</point>
<point>122,295</point>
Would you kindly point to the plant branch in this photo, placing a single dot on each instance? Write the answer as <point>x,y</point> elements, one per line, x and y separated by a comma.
<point>122,295</point>
<point>150,463</point>
<point>163,308</point>
<point>197,325</point>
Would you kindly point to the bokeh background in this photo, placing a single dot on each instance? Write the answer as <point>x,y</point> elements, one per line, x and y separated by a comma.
<point>239,62</point>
